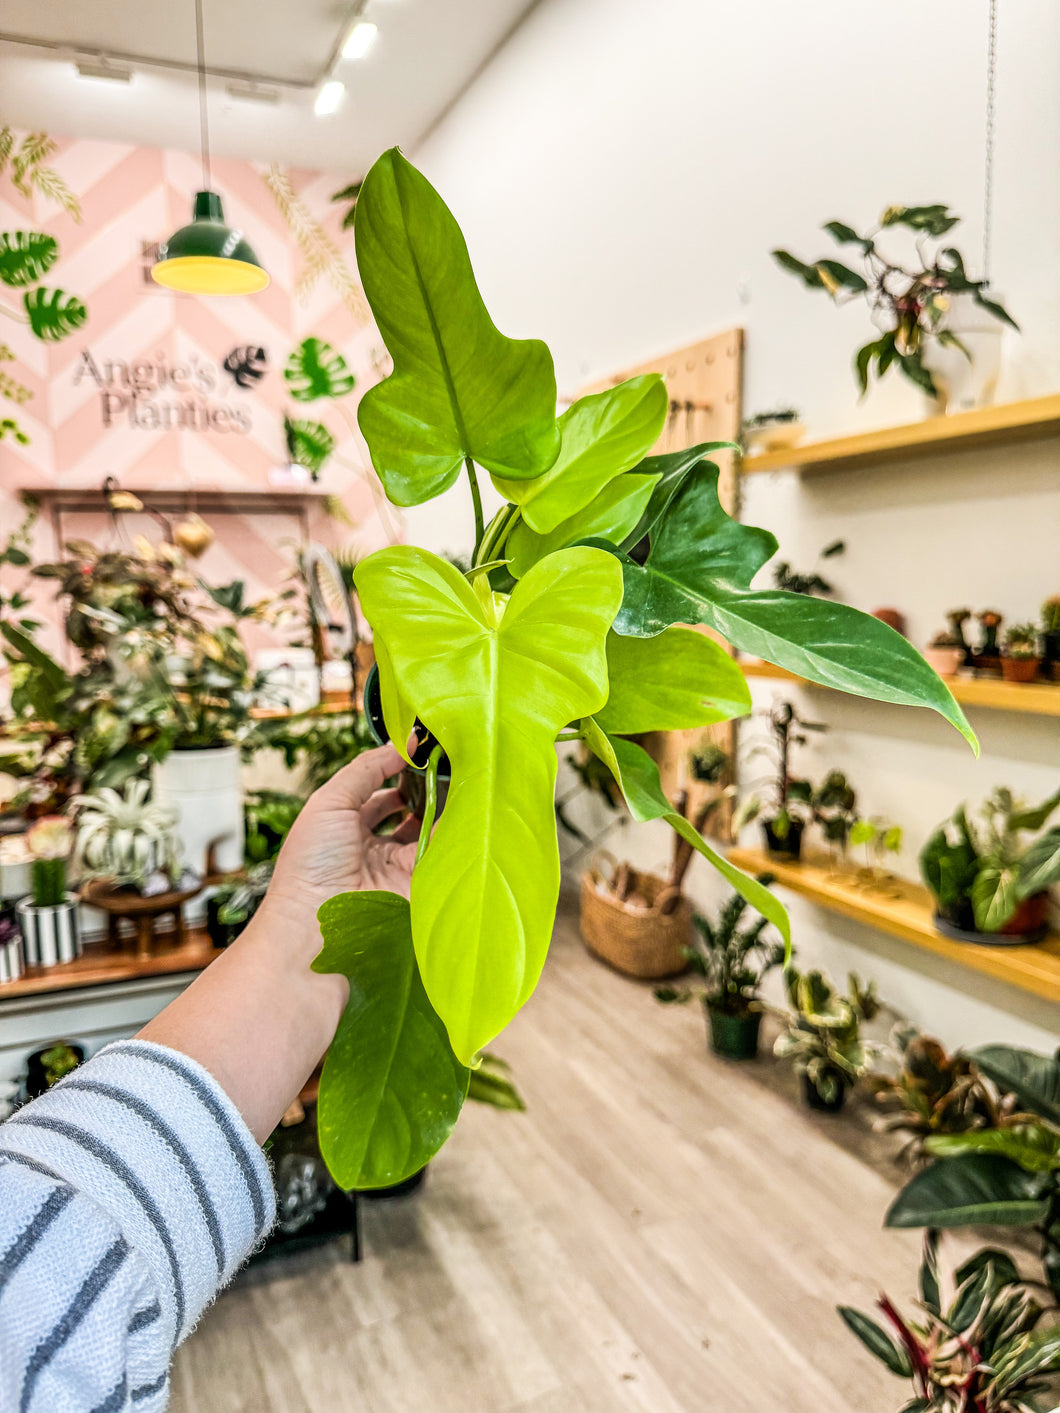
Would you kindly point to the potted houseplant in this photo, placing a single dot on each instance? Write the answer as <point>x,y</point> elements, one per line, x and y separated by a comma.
<point>784,577</point>
<point>946,653</point>
<point>984,1349</point>
<point>732,962</point>
<point>575,620</point>
<point>1021,660</point>
<point>233,904</point>
<point>1051,636</point>
<point>10,948</point>
<point>987,656</point>
<point>126,839</point>
<point>833,805</point>
<point>48,917</point>
<point>989,885</point>
<point>50,1064</point>
<point>776,430</point>
<point>927,304</point>
<point>823,1038</point>
<point>783,828</point>
<point>879,837</point>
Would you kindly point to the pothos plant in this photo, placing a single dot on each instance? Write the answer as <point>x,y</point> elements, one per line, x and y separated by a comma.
<point>576,619</point>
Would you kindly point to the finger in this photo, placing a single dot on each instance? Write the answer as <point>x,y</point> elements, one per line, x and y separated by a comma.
<point>381,806</point>
<point>352,786</point>
<point>408,831</point>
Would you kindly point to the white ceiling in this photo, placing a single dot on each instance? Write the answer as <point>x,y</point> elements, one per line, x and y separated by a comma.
<point>425,54</point>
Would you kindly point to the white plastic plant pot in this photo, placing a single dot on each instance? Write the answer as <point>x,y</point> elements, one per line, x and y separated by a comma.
<point>10,960</point>
<point>291,678</point>
<point>964,385</point>
<point>205,788</point>
<point>51,935</point>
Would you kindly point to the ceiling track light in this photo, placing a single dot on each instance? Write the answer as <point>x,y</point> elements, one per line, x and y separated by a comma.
<point>252,92</point>
<point>101,67</point>
<point>361,38</point>
<point>207,256</point>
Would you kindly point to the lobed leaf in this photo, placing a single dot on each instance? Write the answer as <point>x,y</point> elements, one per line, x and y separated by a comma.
<point>677,680</point>
<point>611,515</point>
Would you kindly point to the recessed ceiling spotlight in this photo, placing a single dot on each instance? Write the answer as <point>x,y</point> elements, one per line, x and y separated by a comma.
<point>329,99</point>
<point>361,39</point>
<point>102,68</point>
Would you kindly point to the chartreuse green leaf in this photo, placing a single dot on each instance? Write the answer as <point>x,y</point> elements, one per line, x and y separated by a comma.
<point>609,516</point>
<point>680,679</point>
<point>1033,1078</point>
<point>673,469</point>
<point>1033,1146</point>
<point>876,1340</point>
<point>459,388</point>
<point>495,682</point>
<point>638,778</point>
<point>392,1089</point>
<point>974,1189</point>
<point>699,570</point>
<point>603,435</point>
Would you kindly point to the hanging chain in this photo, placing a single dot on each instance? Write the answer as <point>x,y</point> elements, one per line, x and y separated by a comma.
<point>991,118</point>
<point>204,127</point>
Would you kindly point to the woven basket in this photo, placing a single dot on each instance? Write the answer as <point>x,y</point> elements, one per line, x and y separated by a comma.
<point>617,926</point>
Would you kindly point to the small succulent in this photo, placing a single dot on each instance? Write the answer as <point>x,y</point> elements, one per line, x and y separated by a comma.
<point>1051,614</point>
<point>1021,641</point>
<point>947,639</point>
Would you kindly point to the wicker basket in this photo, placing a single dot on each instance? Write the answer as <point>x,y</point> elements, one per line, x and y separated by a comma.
<point>617,926</point>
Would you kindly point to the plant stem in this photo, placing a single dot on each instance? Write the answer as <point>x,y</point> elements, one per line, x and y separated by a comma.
<point>569,736</point>
<point>476,499</point>
<point>430,804</point>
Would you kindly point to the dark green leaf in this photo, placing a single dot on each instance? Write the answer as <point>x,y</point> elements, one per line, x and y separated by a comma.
<point>1002,1262</point>
<point>808,273</point>
<point>976,1189</point>
<point>53,314</point>
<point>673,470</point>
<point>51,671</point>
<point>491,1084</point>
<point>26,256</point>
<point>949,869</point>
<point>928,1280</point>
<point>1036,817</point>
<point>309,444</point>
<point>838,274</point>
<point>846,235</point>
<point>992,307</point>
<point>392,1089</point>
<point>862,359</point>
<point>886,351</point>
<point>971,1296</point>
<point>948,339</point>
<point>877,1341</point>
<point>912,365</point>
<point>315,370</point>
<point>935,220</point>
<point>1033,1078</point>
<point>1039,868</point>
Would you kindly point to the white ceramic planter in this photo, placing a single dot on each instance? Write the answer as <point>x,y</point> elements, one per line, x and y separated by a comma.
<point>11,960</point>
<point>50,935</point>
<point>205,788</point>
<point>962,384</point>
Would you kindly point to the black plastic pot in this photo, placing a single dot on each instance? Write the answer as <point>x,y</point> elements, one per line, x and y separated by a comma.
<point>412,782</point>
<point>1051,653</point>
<point>790,847</point>
<point>223,934</point>
<point>825,1104</point>
<point>1029,924</point>
<point>734,1037</point>
<point>37,1072</point>
<point>399,1189</point>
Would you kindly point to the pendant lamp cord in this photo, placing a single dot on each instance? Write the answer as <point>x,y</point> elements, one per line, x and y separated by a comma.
<point>991,116</point>
<point>204,125</point>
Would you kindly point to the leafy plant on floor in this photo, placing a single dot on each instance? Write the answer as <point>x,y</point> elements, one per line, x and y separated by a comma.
<point>732,960</point>
<point>982,1351</point>
<point>1006,1176</point>
<point>911,303</point>
<point>980,869</point>
<point>557,631</point>
<point>823,1039</point>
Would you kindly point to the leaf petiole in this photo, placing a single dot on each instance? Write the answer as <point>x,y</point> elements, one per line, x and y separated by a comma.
<point>430,804</point>
<point>476,499</point>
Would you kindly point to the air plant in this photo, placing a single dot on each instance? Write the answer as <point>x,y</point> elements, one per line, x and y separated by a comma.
<point>126,838</point>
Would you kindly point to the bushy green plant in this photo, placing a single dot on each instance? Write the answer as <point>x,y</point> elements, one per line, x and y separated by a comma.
<point>982,1351</point>
<point>1021,640</point>
<point>834,806</point>
<point>913,303</point>
<point>823,1038</point>
<point>731,960</point>
<point>980,869</point>
<point>556,631</point>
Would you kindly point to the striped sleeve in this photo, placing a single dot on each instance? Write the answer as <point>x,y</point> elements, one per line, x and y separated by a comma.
<point>129,1194</point>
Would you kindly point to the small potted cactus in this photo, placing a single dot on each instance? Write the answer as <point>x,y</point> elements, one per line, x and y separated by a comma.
<point>48,917</point>
<point>946,653</point>
<point>1051,637</point>
<point>1021,660</point>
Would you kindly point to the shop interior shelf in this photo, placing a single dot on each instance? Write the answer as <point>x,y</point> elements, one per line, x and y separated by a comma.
<point>906,910</point>
<point>984,426</point>
<point>1039,698</point>
<point>102,964</point>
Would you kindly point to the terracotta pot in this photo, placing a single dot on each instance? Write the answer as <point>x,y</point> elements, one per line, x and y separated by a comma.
<point>893,617</point>
<point>945,661</point>
<point>1020,669</point>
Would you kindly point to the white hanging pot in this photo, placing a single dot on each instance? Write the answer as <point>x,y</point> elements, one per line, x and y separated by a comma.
<point>965,384</point>
<point>50,935</point>
<point>205,788</point>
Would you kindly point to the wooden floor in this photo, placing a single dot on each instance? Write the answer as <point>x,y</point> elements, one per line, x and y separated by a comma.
<point>660,1232</point>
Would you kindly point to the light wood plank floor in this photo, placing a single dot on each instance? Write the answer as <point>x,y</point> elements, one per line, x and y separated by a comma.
<point>660,1232</point>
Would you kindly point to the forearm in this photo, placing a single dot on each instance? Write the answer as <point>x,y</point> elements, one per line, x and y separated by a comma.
<point>258,1019</point>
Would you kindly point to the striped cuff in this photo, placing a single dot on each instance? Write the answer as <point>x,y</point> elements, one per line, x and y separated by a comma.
<point>155,1141</point>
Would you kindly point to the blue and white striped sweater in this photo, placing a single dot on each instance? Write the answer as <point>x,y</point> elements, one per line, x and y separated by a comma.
<point>129,1194</point>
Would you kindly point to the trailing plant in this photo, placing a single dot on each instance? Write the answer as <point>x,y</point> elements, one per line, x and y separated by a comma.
<point>911,302</point>
<point>731,960</point>
<point>983,1350</point>
<point>126,837</point>
<point>823,1039</point>
<point>49,842</point>
<point>980,869</point>
<point>557,631</point>
<point>791,798</point>
<point>784,577</point>
<point>769,419</point>
<point>1006,1176</point>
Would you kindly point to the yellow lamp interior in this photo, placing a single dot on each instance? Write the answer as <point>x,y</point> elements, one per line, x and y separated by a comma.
<point>209,274</point>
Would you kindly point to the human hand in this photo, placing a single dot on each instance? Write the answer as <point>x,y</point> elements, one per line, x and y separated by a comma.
<point>332,848</point>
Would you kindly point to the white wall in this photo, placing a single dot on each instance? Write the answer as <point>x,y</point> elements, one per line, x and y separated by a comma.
<point>622,171</point>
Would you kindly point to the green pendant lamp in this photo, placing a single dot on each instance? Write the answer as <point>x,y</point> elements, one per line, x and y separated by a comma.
<point>207,257</point>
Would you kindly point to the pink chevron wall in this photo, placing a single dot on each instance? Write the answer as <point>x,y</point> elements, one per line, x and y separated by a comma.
<point>82,419</point>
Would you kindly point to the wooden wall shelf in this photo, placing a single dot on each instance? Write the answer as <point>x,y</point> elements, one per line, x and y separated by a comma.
<point>985,426</point>
<point>102,964</point>
<point>1037,698</point>
<point>173,500</point>
<point>909,916</point>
